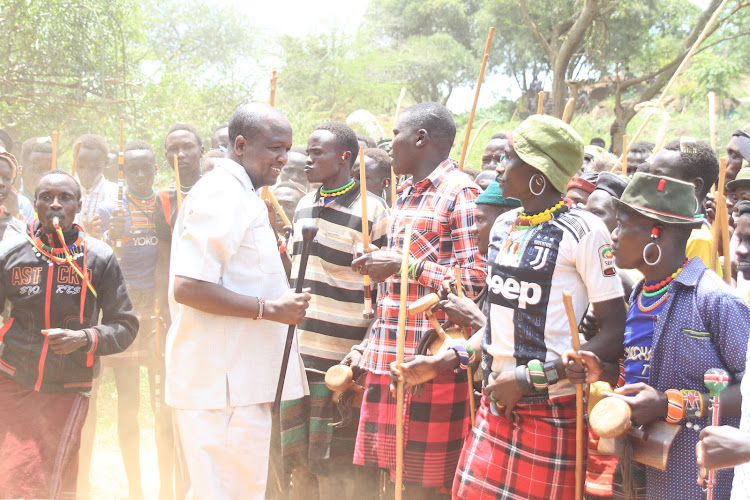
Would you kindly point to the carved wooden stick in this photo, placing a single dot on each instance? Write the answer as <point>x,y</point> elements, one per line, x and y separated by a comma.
<point>367,312</point>
<point>400,341</point>
<point>568,301</point>
<point>476,135</point>
<point>272,97</point>
<point>469,371</point>
<point>540,104</point>
<point>476,97</point>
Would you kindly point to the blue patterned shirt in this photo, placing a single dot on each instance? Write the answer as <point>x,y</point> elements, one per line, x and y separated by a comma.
<point>703,325</point>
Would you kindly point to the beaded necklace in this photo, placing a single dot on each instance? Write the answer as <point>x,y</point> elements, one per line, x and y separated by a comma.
<point>656,289</point>
<point>337,192</point>
<point>525,221</point>
<point>147,199</point>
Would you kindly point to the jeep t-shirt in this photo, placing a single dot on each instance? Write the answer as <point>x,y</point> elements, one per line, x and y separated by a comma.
<point>528,270</point>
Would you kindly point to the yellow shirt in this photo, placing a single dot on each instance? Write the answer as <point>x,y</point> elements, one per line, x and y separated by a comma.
<point>700,245</point>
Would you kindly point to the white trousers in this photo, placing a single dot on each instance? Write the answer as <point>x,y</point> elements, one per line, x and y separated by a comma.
<point>226,451</point>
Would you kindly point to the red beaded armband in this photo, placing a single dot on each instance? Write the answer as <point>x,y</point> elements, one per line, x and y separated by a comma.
<point>675,408</point>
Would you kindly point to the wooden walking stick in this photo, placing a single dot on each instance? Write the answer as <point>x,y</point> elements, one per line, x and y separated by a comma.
<point>540,104</point>
<point>121,174</point>
<point>625,150</point>
<point>681,67</point>
<point>712,118</point>
<point>54,149</point>
<point>716,380</point>
<point>367,312</point>
<point>267,194</point>
<point>725,227</point>
<point>272,97</point>
<point>568,112</point>
<point>476,135</point>
<point>469,371</point>
<point>400,340</point>
<point>394,180</point>
<point>76,152</point>
<point>476,97</point>
<point>178,184</point>
<point>718,215</point>
<point>568,301</point>
<point>308,234</point>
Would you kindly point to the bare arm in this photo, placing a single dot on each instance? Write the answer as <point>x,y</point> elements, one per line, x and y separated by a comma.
<point>215,299</point>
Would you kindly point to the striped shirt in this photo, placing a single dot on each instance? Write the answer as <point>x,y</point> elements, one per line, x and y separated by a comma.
<point>442,208</point>
<point>334,320</point>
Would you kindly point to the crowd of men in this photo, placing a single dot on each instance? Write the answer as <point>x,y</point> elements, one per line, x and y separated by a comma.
<point>197,283</point>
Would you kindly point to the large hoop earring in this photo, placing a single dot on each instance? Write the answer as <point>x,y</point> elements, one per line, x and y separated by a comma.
<point>697,205</point>
<point>645,249</point>
<point>544,184</point>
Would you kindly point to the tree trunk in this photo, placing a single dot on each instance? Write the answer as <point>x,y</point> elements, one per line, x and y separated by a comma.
<point>559,94</point>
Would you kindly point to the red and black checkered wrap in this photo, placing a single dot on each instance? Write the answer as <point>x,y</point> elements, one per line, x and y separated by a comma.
<point>533,457</point>
<point>435,425</point>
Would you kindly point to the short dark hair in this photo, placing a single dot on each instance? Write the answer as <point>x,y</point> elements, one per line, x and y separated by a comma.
<point>597,140</point>
<point>344,137</point>
<point>223,125</point>
<point>249,120</point>
<point>40,146</point>
<point>215,153</point>
<point>369,141</point>
<point>697,159</point>
<point>63,173</point>
<point>138,145</point>
<point>642,147</point>
<point>382,159</point>
<point>435,119</point>
<point>499,135</point>
<point>91,141</point>
<point>187,128</point>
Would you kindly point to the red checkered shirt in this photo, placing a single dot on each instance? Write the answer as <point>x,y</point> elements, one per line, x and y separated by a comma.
<point>442,207</point>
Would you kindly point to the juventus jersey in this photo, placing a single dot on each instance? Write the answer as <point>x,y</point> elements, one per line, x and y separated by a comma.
<point>528,270</point>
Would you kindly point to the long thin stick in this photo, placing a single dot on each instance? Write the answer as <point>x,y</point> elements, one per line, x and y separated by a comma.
<point>722,201</point>
<point>272,97</point>
<point>568,301</point>
<point>394,180</point>
<point>367,312</point>
<point>267,194</point>
<point>476,135</point>
<point>540,104</point>
<point>716,228</point>
<point>469,371</point>
<point>54,150</point>
<point>178,184</point>
<point>400,341</point>
<point>569,108</point>
<point>712,118</point>
<point>677,73</point>
<point>476,97</point>
<point>625,150</point>
<point>76,152</point>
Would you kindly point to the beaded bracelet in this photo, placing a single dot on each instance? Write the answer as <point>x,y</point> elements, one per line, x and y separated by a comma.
<point>692,402</point>
<point>465,353</point>
<point>675,408</point>
<point>538,378</point>
<point>261,303</point>
<point>523,379</point>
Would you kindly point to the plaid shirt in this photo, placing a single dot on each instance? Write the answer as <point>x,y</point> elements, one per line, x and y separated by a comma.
<point>442,207</point>
<point>104,191</point>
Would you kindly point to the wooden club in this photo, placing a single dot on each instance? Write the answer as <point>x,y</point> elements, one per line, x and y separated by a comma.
<point>573,323</point>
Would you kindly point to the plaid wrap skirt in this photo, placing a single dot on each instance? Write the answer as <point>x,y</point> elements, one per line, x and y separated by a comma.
<point>532,457</point>
<point>436,422</point>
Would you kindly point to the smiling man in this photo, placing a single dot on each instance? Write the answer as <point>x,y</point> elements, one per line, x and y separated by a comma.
<point>52,341</point>
<point>231,302</point>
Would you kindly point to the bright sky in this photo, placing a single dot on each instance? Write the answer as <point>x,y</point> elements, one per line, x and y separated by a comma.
<point>301,17</point>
